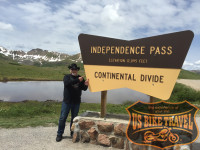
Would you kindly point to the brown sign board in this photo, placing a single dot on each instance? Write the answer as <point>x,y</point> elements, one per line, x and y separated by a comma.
<point>150,65</point>
<point>162,124</point>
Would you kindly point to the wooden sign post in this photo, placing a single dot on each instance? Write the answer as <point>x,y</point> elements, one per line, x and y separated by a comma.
<point>103,103</point>
<point>148,65</point>
<point>151,99</point>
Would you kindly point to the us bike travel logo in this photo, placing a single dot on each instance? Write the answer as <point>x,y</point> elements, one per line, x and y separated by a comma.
<point>162,124</point>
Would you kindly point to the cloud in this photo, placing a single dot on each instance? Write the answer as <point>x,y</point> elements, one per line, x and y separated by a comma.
<point>20,46</point>
<point>6,26</point>
<point>197,62</point>
<point>60,24</point>
<point>191,66</point>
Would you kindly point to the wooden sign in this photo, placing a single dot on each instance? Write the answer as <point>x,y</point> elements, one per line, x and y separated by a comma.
<point>149,65</point>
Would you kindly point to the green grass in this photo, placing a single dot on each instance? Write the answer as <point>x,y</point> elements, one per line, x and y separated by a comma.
<point>184,74</point>
<point>182,92</point>
<point>11,70</point>
<point>34,113</point>
<point>14,71</point>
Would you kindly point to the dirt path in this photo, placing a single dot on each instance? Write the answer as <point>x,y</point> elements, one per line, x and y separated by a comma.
<point>43,138</point>
<point>192,83</point>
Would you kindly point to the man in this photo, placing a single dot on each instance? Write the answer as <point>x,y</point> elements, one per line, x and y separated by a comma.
<point>73,86</point>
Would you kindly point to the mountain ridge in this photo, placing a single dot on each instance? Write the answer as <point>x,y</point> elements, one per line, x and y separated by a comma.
<point>38,55</point>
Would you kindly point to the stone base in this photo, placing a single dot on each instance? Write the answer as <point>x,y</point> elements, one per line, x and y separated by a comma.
<point>109,132</point>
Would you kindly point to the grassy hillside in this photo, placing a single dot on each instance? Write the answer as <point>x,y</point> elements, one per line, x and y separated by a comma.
<point>11,70</point>
<point>184,74</point>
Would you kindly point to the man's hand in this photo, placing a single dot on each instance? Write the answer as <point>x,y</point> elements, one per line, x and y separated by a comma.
<point>80,79</point>
<point>87,82</point>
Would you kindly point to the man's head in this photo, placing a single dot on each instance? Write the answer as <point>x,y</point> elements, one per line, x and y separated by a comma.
<point>74,69</point>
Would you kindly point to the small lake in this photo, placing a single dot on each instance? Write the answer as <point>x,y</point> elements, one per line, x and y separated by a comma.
<point>53,90</point>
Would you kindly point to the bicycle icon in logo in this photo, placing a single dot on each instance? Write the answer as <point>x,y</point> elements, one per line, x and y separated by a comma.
<point>164,135</point>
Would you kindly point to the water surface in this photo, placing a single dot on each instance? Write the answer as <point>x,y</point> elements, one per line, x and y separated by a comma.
<point>53,90</point>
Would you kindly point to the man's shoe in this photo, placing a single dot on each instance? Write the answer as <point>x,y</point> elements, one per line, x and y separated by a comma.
<point>58,138</point>
<point>71,133</point>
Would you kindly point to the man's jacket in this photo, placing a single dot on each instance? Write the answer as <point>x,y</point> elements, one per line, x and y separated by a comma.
<point>73,89</point>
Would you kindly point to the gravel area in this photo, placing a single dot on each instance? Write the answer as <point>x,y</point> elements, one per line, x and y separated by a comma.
<point>40,138</point>
<point>195,84</point>
<point>43,138</point>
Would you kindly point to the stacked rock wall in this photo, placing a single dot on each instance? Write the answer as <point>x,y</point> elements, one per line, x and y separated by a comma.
<point>107,133</point>
<point>100,132</point>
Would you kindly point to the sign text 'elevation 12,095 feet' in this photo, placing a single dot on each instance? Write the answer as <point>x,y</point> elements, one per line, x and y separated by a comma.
<point>150,65</point>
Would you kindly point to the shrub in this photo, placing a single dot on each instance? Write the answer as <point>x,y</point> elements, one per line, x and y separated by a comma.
<point>182,92</point>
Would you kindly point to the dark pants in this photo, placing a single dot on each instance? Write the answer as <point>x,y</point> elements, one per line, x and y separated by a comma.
<point>66,107</point>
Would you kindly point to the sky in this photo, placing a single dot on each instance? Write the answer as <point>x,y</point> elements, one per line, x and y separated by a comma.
<point>54,25</point>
